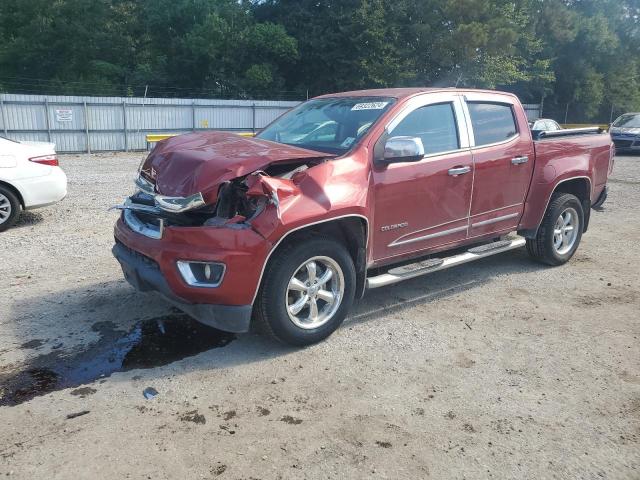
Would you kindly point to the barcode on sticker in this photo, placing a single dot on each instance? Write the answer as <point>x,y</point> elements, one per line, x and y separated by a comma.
<point>370,106</point>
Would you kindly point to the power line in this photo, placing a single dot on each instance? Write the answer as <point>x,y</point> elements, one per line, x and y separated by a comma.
<point>55,82</point>
<point>30,87</point>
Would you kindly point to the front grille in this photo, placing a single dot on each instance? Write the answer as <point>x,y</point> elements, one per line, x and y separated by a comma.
<point>151,230</point>
<point>143,258</point>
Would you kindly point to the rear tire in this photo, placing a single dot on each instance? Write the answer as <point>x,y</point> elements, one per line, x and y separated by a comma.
<point>560,231</point>
<point>307,291</point>
<point>9,208</point>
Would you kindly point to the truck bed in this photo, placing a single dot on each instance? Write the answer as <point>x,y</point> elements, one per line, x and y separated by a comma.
<point>579,151</point>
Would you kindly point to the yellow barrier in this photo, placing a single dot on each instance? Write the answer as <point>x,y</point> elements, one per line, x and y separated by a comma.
<point>157,137</point>
<point>153,138</point>
<point>584,125</point>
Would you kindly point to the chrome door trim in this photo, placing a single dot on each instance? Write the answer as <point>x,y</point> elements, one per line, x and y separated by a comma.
<point>479,97</point>
<point>497,209</point>
<point>442,233</point>
<point>495,220</point>
<point>495,144</point>
<point>434,98</point>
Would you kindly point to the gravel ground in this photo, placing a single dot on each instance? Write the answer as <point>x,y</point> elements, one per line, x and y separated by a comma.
<point>497,369</point>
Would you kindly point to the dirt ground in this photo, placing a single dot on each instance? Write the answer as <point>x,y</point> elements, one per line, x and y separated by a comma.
<point>497,369</point>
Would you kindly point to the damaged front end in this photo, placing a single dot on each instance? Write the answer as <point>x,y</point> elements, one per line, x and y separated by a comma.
<point>237,202</point>
<point>202,221</point>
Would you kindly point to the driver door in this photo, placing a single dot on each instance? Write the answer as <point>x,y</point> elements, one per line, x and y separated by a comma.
<point>423,204</point>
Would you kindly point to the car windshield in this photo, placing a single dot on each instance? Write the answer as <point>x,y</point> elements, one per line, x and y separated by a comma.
<point>330,125</point>
<point>628,121</point>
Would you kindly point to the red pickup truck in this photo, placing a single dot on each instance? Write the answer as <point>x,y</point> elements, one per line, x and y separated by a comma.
<point>348,192</point>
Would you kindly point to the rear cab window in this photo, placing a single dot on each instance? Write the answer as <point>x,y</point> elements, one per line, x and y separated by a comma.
<point>492,122</point>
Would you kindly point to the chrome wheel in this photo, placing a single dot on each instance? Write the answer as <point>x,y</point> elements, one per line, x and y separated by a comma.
<point>315,292</point>
<point>5,208</point>
<point>565,231</point>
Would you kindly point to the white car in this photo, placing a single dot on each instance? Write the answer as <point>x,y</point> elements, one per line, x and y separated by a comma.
<point>29,178</point>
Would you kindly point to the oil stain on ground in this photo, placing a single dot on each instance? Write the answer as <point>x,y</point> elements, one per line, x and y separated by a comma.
<point>152,343</point>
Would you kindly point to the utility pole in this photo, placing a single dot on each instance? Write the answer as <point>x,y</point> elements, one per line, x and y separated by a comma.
<point>611,115</point>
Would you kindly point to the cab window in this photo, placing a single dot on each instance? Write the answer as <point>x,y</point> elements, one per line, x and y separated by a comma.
<point>492,122</point>
<point>435,125</point>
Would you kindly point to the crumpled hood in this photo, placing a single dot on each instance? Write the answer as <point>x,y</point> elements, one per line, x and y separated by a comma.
<point>200,162</point>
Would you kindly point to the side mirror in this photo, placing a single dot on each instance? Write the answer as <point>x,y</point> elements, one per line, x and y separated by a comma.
<point>403,149</point>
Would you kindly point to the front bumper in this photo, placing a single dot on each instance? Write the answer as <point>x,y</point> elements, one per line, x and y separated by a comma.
<point>145,276</point>
<point>150,265</point>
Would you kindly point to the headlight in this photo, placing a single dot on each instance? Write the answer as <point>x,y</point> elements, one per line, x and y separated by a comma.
<point>201,274</point>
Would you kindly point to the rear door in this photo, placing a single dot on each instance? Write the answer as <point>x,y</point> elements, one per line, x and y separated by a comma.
<point>424,204</point>
<point>503,157</point>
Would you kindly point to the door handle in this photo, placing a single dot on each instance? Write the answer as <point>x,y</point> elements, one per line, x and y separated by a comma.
<point>519,160</point>
<point>459,171</point>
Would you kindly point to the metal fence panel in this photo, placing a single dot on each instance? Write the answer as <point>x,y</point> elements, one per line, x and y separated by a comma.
<point>70,141</point>
<point>77,124</point>
<point>106,117</point>
<point>104,141</point>
<point>30,137</point>
<point>264,116</point>
<point>25,117</point>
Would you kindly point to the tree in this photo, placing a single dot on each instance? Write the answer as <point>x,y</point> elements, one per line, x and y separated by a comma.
<point>581,53</point>
<point>594,42</point>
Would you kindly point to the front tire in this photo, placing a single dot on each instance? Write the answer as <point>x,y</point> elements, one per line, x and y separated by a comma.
<point>560,232</point>
<point>9,208</point>
<point>307,291</point>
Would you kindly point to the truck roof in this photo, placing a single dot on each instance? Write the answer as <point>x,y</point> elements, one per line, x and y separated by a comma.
<point>405,92</point>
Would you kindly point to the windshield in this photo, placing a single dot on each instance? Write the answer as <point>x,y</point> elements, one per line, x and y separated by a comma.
<point>331,125</point>
<point>629,120</point>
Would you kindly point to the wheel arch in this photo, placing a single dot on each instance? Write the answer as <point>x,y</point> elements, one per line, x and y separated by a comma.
<point>581,187</point>
<point>351,230</point>
<point>15,191</point>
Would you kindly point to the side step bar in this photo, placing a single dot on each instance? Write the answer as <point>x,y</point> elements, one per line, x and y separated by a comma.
<point>417,269</point>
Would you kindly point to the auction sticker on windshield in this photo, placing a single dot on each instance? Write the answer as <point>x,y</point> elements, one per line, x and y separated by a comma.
<point>370,106</point>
